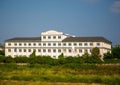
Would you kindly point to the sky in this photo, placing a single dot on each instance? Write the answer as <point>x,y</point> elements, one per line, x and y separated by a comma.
<point>28,18</point>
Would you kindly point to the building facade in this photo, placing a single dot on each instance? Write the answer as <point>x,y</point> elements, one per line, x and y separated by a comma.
<point>53,43</point>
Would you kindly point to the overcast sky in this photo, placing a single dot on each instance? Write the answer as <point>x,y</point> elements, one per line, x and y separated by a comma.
<point>28,18</point>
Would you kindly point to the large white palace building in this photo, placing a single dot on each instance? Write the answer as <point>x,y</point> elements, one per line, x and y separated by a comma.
<point>53,43</point>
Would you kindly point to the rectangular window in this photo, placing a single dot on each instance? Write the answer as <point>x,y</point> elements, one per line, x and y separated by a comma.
<point>86,51</point>
<point>75,44</point>
<point>80,50</point>
<point>44,44</point>
<point>15,49</point>
<point>24,50</point>
<point>15,44</point>
<point>98,44</point>
<point>64,44</point>
<point>70,50</point>
<point>59,50</point>
<point>91,44</point>
<point>20,50</point>
<point>69,44</point>
<point>29,44</point>
<point>54,44</point>
<point>9,44</point>
<point>20,44</point>
<point>44,50</point>
<point>59,44</point>
<point>49,44</point>
<point>85,44</point>
<point>34,44</point>
<point>54,37</point>
<point>80,44</point>
<point>49,37</point>
<point>24,44</point>
<point>49,50</point>
<point>29,50</point>
<point>54,50</point>
<point>44,37</point>
<point>39,44</point>
<point>9,50</point>
<point>59,37</point>
<point>39,50</point>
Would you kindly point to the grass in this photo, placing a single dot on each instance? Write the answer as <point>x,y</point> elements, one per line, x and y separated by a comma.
<point>83,73</point>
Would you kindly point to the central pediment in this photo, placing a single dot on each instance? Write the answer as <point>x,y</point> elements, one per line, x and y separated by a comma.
<point>51,32</point>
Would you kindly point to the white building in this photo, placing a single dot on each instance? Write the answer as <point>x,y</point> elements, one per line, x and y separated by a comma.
<point>53,43</point>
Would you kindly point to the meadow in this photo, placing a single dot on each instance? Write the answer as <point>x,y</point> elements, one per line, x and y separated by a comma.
<point>65,74</point>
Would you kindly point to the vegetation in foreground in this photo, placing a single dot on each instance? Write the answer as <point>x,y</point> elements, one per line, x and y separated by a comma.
<point>79,69</point>
<point>82,73</point>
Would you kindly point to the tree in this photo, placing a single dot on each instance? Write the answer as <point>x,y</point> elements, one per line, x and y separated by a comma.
<point>32,58</point>
<point>96,52</point>
<point>2,52</point>
<point>116,52</point>
<point>108,55</point>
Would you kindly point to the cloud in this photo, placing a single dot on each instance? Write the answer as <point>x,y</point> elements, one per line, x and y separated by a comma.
<point>91,1</point>
<point>116,7</point>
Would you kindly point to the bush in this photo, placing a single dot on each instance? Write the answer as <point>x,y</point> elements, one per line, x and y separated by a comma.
<point>9,59</point>
<point>21,59</point>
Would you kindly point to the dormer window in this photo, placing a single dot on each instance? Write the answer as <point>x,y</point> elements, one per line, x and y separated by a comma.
<point>44,37</point>
<point>49,37</point>
<point>59,37</point>
<point>54,37</point>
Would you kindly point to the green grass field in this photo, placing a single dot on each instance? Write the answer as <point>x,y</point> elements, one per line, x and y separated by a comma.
<point>59,75</point>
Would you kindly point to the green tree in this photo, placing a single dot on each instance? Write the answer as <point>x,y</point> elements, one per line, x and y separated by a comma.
<point>116,52</point>
<point>108,55</point>
<point>2,52</point>
<point>96,52</point>
<point>32,58</point>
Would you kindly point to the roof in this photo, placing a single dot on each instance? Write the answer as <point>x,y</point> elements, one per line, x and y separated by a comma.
<point>86,39</point>
<point>24,39</point>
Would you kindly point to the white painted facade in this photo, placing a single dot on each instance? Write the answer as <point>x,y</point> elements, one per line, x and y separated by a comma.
<point>53,43</point>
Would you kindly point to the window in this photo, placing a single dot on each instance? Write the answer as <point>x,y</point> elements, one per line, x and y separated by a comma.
<point>54,50</point>
<point>20,50</point>
<point>69,44</point>
<point>80,50</point>
<point>91,44</point>
<point>15,49</point>
<point>29,50</point>
<point>20,44</point>
<point>44,50</point>
<point>49,37</point>
<point>9,44</point>
<point>49,44</point>
<point>49,50</point>
<point>54,44</point>
<point>90,50</point>
<point>59,50</point>
<point>39,50</point>
<point>24,50</point>
<point>59,44</point>
<point>29,44</point>
<point>59,37</point>
<point>64,44</point>
<point>34,44</point>
<point>80,44</point>
<point>54,37</point>
<point>85,44</point>
<point>86,51</point>
<point>15,44</point>
<point>44,37</point>
<point>75,44</point>
<point>24,44</point>
<point>39,44</point>
<point>44,44</point>
<point>98,44</point>
<point>70,50</point>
